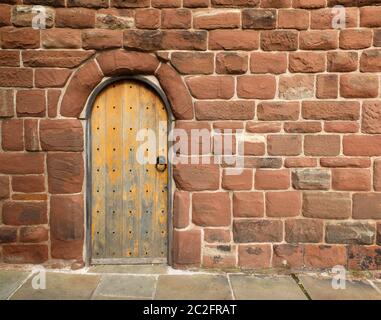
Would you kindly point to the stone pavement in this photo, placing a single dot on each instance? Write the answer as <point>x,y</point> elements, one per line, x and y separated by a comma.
<point>161,282</point>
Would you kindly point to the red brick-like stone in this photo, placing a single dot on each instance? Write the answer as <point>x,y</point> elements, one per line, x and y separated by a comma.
<point>211,209</point>
<point>12,135</point>
<point>341,127</point>
<point>153,40</point>
<point>366,145</point>
<point>176,18</point>
<point>102,39</point>
<point>147,18</point>
<point>259,19</point>
<point>31,103</point>
<point>370,17</point>
<point>187,247</point>
<point>296,86</point>
<point>221,110</point>
<point>268,62</point>
<point>233,179</point>
<point>233,40</point>
<point>355,39</point>
<point>351,179</point>
<point>319,40</point>
<point>217,235</point>
<point>76,18</point>
<point>216,20</point>
<point>283,204</point>
<point>65,172</point>
<point>21,163</point>
<point>302,127</point>
<point>51,77</point>
<point>323,256</point>
<point>293,19</point>
<point>263,127</point>
<point>120,62</point>
<point>359,85</point>
<point>198,177</point>
<point>331,110</point>
<point>176,92</point>
<point>28,184</point>
<point>181,205</point>
<point>24,213</point>
<point>327,86</point>
<point>256,87</point>
<point>211,87</point>
<point>7,103</point>
<point>66,226</point>
<point>321,145</point>
<point>342,162</point>
<point>80,86</point>
<point>288,255</point>
<point>272,179</point>
<point>58,38</point>
<point>364,257</point>
<point>248,204</point>
<point>367,206</point>
<point>296,162</point>
<point>257,230</point>
<point>279,40</point>
<point>5,15</point>
<point>342,61</point>
<point>25,253</point>
<point>326,205</point>
<point>306,62</point>
<point>193,62</point>
<point>304,230</point>
<point>61,135</point>
<point>270,111</point>
<point>8,235</point>
<point>231,63</point>
<point>55,58</point>
<point>16,77</point>
<point>370,61</point>
<point>20,38</point>
<point>10,58</point>
<point>284,145</point>
<point>254,256</point>
<point>34,234</point>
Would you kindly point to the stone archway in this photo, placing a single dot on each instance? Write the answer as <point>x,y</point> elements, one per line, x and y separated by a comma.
<point>121,62</point>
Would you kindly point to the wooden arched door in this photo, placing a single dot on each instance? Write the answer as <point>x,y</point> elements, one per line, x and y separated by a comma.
<point>129,206</point>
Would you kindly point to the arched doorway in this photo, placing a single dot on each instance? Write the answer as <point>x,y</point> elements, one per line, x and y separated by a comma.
<point>129,204</point>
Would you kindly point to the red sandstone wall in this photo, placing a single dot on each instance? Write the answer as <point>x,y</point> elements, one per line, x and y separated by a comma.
<point>310,192</point>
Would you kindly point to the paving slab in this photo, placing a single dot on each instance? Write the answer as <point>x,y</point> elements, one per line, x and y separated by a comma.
<point>321,289</point>
<point>9,281</point>
<point>60,286</point>
<point>126,286</point>
<point>251,287</point>
<point>131,269</point>
<point>190,287</point>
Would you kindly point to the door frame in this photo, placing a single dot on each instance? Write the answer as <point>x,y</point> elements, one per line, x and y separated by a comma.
<point>88,154</point>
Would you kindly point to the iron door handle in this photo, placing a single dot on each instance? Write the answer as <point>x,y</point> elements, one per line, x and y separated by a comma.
<point>161,163</point>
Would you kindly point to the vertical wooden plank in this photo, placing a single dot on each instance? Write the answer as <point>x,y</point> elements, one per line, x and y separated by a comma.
<point>162,181</point>
<point>114,181</point>
<point>98,136</point>
<point>131,173</point>
<point>148,177</point>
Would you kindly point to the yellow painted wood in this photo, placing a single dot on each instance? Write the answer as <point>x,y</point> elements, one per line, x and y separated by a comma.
<point>129,199</point>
